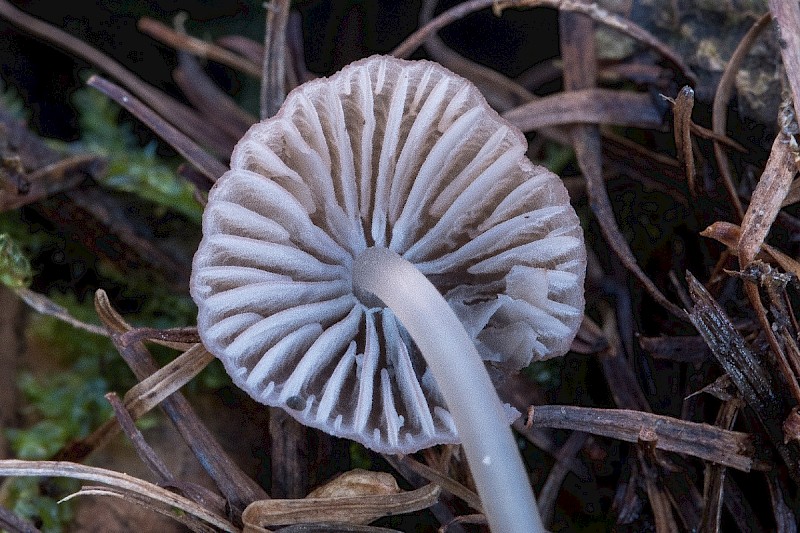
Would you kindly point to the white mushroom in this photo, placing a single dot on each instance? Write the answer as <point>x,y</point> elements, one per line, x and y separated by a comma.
<point>389,167</point>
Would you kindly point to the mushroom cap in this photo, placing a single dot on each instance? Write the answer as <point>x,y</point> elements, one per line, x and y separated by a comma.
<point>393,153</point>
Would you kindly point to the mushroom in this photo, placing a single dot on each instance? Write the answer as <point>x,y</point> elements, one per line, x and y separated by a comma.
<point>377,250</point>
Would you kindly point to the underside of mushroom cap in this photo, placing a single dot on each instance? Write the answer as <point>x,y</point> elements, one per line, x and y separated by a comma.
<point>399,154</point>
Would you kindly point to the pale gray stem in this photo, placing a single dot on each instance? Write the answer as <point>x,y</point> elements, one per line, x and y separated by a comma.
<point>492,454</point>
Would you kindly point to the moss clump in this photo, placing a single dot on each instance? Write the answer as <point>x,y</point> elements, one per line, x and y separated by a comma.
<point>15,269</point>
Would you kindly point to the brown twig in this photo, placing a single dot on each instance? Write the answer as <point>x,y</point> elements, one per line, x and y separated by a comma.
<point>181,41</point>
<point>587,106</point>
<point>762,389</point>
<point>198,157</point>
<point>145,452</point>
<point>657,493</point>
<point>273,74</point>
<point>223,112</point>
<point>721,99</point>
<point>546,499</point>
<point>682,107</point>
<point>730,448</point>
<point>237,487</point>
<point>178,114</point>
<point>596,13</point>
<point>787,18</point>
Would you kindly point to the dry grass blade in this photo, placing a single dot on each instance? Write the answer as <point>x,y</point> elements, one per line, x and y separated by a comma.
<point>714,478</point>
<point>721,99</point>
<point>108,315</point>
<point>787,16</point>
<point>215,104</point>
<point>186,519</point>
<point>44,305</point>
<point>273,74</point>
<point>588,154</point>
<point>177,338</point>
<point>11,523</point>
<point>657,493</point>
<point>237,487</point>
<point>546,499</point>
<point>501,92</point>
<point>146,453</point>
<point>580,70</point>
<point>124,482</point>
<point>450,485</point>
<point>729,235</point>
<point>50,179</point>
<point>682,111</point>
<point>190,151</point>
<point>587,106</point>
<point>181,41</point>
<point>164,105</point>
<point>327,527</point>
<point>364,509</point>
<point>596,13</point>
<point>150,392</point>
<point>762,386</point>
<point>730,448</point>
<point>766,200</point>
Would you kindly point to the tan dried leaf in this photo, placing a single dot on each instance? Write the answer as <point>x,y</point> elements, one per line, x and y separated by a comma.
<point>766,201</point>
<point>729,235</point>
<point>357,482</point>
<point>353,510</point>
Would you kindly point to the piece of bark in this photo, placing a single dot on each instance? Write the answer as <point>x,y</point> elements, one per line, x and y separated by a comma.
<point>760,383</point>
<point>685,349</point>
<point>730,448</point>
<point>657,494</point>
<point>766,199</point>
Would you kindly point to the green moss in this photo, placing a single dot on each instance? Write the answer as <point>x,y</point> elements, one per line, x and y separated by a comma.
<point>359,457</point>
<point>67,406</point>
<point>131,168</point>
<point>15,269</point>
<point>37,501</point>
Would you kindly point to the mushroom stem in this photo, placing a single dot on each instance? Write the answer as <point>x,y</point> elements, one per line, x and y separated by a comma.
<point>461,376</point>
